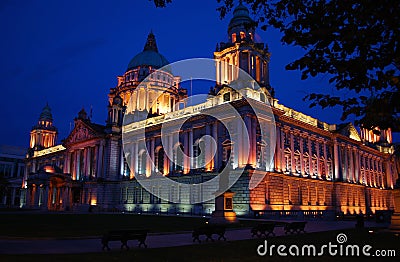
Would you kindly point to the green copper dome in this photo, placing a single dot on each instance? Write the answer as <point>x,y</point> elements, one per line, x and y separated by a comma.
<point>150,56</point>
<point>46,114</point>
<point>241,16</point>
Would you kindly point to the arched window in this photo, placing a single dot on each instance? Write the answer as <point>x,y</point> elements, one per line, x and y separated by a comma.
<point>178,158</point>
<point>306,162</point>
<point>198,146</point>
<point>261,154</point>
<point>142,159</point>
<point>288,161</point>
<point>227,152</point>
<point>314,166</point>
<point>297,162</point>
<point>329,168</point>
<point>159,161</point>
<point>322,168</point>
<point>233,37</point>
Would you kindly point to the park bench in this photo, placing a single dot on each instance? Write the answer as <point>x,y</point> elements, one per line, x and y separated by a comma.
<point>265,229</point>
<point>124,236</point>
<point>208,231</point>
<point>295,227</point>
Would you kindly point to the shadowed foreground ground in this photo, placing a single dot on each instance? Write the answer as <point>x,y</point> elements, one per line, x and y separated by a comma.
<point>243,250</point>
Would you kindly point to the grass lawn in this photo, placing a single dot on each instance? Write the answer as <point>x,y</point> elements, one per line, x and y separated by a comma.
<point>232,251</point>
<point>75,225</point>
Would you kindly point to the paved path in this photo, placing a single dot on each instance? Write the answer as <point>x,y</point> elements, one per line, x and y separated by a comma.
<point>58,246</point>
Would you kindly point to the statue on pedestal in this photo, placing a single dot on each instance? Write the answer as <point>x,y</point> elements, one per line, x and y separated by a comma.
<point>223,212</point>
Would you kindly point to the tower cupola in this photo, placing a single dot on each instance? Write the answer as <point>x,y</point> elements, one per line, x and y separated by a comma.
<point>241,27</point>
<point>44,134</point>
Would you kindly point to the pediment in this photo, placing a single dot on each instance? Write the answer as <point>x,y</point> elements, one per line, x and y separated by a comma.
<point>81,132</point>
<point>354,133</point>
<point>350,131</point>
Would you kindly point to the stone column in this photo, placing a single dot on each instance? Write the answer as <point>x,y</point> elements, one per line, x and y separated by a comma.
<point>238,143</point>
<point>186,163</point>
<point>85,163</point>
<point>28,193</point>
<point>282,152</point>
<point>278,150</point>
<point>152,152</point>
<point>94,164</point>
<point>292,163</point>
<point>302,169</point>
<point>147,152</point>
<point>208,149</point>
<point>218,72</point>
<point>389,178</point>
<point>384,185</point>
<point>356,165</point>
<point>122,162</point>
<point>325,160</point>
<point>89,163</point>
<point>35,197</point>
<point>191,154</point>
<point>136,158</point>
<point>351,173</point>
<point>100,160</point>
<point>310,157</point>
<point>78,164</point>
<point>132,164</point>
<point>345,173</point>
<point>67,162</point>
<point>318,159</point>
<point>171,152</point>
<point>45,200</point>
<point>215,136</point>
<point>12,200</point>
<point>166,147</point>
<point>335,160</point>
<point>375,172</point>
<point>253,148</point>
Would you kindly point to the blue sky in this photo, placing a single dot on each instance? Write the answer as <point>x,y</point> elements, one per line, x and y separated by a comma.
<point>69,53</point>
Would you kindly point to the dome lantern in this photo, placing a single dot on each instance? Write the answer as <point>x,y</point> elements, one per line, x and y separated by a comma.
<point>241,26</point>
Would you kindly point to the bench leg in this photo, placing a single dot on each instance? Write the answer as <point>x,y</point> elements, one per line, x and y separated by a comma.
<point>105,245</point>
<point>209,237</point>
<point>270,233</point>
<point>124,244</point>
<point>196,238</point>
<point>141,242</point>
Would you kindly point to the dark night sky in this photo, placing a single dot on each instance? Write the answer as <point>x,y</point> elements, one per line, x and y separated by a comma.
<point>69,53</point>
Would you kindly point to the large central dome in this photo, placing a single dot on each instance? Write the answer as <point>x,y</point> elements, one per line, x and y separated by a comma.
<point>149,57</point>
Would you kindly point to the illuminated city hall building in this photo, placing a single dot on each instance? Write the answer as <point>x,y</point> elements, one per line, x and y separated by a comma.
<point>318,168</point>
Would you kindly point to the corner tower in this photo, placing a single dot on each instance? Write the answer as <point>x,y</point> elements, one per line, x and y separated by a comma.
<point>44,134</point>
<point>242,51</point>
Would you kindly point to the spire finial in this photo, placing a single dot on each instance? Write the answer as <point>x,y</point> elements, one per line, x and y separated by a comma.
<point>151,44</point>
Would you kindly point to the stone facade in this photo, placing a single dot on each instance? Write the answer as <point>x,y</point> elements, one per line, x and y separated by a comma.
<point>317,169</point>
